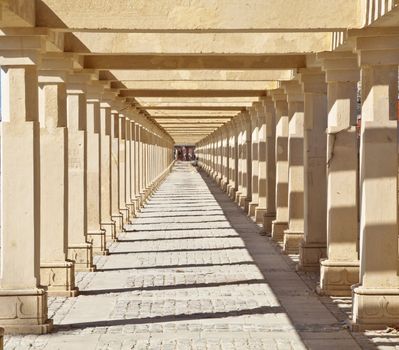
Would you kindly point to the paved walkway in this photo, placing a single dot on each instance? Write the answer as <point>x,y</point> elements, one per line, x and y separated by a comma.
<point>193,272</point>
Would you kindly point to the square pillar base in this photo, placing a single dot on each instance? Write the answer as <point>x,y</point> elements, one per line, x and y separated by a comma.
<point>24,311</point>
<point>260,215</point>
<point>374,308</point>
<point>310,255</point>
<point>82,255</point>
<point>237,197</point>
<point>278,228</point>
<point>132,213</point>
<point>243,202</point>
<point>110,230</point>
<point>268,219</point>
<point>251,208</point>
<point>98,241</point>
<point>292,240</point>
<point>337,277</point>
<point>59,278</point>
<point>118,220</point>
<point>125,215</point>
<point>224,184</point>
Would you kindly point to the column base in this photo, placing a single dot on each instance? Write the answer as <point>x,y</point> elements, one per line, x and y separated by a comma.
<point>278,228</point>
<point>118,220</point>
<point>251,208</point>
<point>110,230</point>
<point>374,308</point>
<point>337,277</point>
<point>132,212</point>
<point>98,241</point>
<point>59,278</point>
<point>237,197</point>
<point>268,219</point>
<point>292,240</point>
<point>82,255</point>
<point>243,202</point>
<point>224,183</point>
<point>125,214</point>
<point>24,311</point>
<point>137,204</point>
<point>310,255</point>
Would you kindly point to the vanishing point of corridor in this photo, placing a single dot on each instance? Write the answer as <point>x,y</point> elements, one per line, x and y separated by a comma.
<point>192,272</point>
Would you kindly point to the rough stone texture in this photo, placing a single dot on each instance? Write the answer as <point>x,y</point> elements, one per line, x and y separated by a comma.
<point>192,272</point>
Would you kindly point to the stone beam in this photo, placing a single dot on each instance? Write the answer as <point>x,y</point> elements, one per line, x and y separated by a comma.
<point>193,100</point>
<point>192,93</point>
<point>182,15</point>
<point>197,43</point>
<point>17,13</point>
<point>194,108</point>
<point>177,113</point>
<point>195,75</point>
<point>242,62</point>
<point>194,85</point>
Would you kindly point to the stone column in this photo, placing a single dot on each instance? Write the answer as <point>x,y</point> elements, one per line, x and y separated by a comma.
<point>231,186</point>
<point>236,126</point>
<point>219,156</point>
<point>128,168</point>
<point>280,224</point>
<point>225,160</point>
<point>376,298</point>
<point>116,215</point>
<point>79,248</point>
<point>23,303</point>
<point>341,268</point>
<point>137,167</point>
<point>294,234</point>
<point>133,162</point>
<point>245,196</point>
<point>95,234</point>
<point>123,209</point>
<point>267,202</point>
<point>313,246</point>
<point>143,160</point>
<point>56,272</point>
<point>253,112</point>
<point>107,223</point>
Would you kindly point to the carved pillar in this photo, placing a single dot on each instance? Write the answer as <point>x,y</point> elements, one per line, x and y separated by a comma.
<point>267,171</point>
<point>313,246</point>
<point>23,304</point>
<point>294,234</point>
<point>79,248</point>
<point>280,224</point>
<point>376,298</point>
<point>95,234</point>
<point>56,272</point>
<point>253,115</point>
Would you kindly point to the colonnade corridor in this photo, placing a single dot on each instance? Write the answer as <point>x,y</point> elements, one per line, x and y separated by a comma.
<point>192,272</point>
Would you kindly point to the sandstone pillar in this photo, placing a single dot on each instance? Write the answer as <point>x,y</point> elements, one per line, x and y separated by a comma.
<point>341,268</point>
<point>56,272</point>
<point>133,165</point>
<point>116,215</point>
<point>79,248</point>
<point>226,157</point>
<point>105,172</point>
<point>128,168</point>
<point>313,246</point>
<point>23,304</point>
<point>245,197</point>
<point>123,209</point>
<point>137,165</point>
<point>239,172</point>
<point>294,234</point>
<point>253,112</point>
<point>376,298</point>
<point>95,234</point>
<point>280,224</point>
<point>267,166</point>
<point>232,159</point>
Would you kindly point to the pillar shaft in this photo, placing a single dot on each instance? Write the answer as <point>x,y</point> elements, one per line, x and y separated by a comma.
<point>313,246</point>
<point>23,304</point>
<point>281,223</point>
<point>341,268</point>
<point>79,249</point>
<point>56,273</point>
<point>254,121</point>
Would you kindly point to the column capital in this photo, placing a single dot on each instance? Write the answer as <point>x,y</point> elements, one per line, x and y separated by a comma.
<point>313,81</point>
<point>378,50</point>
<point>293,89</point>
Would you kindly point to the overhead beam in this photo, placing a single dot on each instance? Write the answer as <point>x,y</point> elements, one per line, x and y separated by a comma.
<point>195,85</point>
<point>192,93</point>
<point>17,13</point>
<point>194,113</point>
<point>242,62</point>
<point>197,43</point>
<point>195,75</point>
<point>199,15</point>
